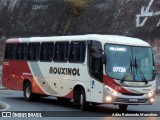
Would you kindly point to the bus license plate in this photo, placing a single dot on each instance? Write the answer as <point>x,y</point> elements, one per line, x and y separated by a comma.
<point>133,100</point>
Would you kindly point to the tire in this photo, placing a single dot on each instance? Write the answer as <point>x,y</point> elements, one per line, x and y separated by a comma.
<point>123,107</point>
<point>79,99</point>
<point>83,102</point>
<point>29,96</point>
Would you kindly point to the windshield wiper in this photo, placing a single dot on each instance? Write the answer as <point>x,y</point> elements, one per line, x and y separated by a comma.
<point>138,69</point>
<point>127,72</point>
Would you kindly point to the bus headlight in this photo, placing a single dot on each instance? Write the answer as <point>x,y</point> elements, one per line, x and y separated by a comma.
<point>152,100</point>
<point>150,94</point>
<point>110,90</point>
<point>108,98</point>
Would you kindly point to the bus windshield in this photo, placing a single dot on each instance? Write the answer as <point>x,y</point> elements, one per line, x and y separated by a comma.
<point>129,63</point>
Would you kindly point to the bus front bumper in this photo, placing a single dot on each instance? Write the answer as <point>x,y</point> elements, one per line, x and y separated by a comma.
<point>129,99</point>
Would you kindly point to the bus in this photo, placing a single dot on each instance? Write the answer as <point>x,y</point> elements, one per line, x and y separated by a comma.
<point>88,69</point>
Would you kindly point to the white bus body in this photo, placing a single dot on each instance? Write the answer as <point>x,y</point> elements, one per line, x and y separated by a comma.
<point>86,68</point>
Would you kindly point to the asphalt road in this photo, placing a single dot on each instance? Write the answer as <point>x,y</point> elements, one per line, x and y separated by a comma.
<point>16,102</point>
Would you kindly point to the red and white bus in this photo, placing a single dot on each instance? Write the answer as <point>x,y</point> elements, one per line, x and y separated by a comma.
<point>89,69</point>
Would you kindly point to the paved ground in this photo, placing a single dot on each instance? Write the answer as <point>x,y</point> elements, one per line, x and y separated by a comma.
<point>16,102</point>
<point>51,105</point>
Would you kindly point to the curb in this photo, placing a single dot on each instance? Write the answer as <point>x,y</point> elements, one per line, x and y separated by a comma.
<point>3,106</point>
<point>3,88</point>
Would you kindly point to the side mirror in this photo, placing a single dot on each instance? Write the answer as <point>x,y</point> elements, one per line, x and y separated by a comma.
<point>95,50</point>
<point>104,61</point>
<point>100,56</point>
<point>97,55</point>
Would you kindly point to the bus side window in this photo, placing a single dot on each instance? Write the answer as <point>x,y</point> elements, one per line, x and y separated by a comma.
<point>94,61</point>
<point>61,51</point>
<point>10,51</point>
<point>21,53</point>
<point>33,51</point>
<point>77,52</point>
<point>46,53</point>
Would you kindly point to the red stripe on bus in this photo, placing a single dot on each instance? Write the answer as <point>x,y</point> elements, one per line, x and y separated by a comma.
<point>69,95</point>
<point>13,76</point>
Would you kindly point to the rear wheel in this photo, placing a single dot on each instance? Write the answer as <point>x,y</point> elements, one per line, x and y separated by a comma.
<point>28,93</point>
<point>123,107</point>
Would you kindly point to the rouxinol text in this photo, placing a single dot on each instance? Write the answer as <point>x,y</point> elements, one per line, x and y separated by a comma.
<point>64,71</point>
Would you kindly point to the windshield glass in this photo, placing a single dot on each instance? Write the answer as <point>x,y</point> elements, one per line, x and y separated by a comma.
<point>129,62</point>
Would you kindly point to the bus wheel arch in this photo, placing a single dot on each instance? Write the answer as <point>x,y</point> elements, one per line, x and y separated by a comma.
<point>26,81</point>
<point>27,91</point>
<point>79,97</point>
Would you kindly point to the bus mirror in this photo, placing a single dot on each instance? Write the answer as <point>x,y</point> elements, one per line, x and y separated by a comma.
<point>96,50</point>
<point>104,59</point>
<point>92,49</point>
<point>97,55</point>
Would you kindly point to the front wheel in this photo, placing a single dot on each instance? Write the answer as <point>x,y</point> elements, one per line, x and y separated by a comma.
<point>83,102</point>
<point>123,107</point>
<point>79,98</point>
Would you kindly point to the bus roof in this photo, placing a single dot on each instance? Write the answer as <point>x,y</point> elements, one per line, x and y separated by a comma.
<point>113,39</point>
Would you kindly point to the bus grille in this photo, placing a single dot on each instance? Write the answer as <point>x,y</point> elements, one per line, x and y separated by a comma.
<point>133,94</point>
<point>124,100</point>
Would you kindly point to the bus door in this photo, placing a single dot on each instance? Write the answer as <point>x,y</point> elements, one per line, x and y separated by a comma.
<point>95,70</point>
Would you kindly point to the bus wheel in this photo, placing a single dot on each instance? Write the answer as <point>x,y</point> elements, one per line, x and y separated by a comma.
<point>123,107</point>
<point>83,102</point>
<point>28,91</point>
